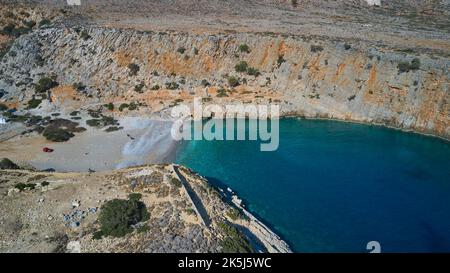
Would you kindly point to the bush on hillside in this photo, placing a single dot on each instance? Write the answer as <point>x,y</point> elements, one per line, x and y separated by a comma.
<point>117,216</point>
<point>134,69</point>
<point>316,48</point>
<point>241,67</point>
<point>244,48</point>
<point>33,103</point>
<point>234,241</point>
<point>44,84</point>
<point>57,134</point>
<point>406,66</point>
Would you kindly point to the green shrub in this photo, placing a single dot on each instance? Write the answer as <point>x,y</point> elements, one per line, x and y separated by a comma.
<point>123,106</point>
<point>117,216</point>
<point>234,214</point>
<point>113,129</point>
<point>403,67</point>
<point>280,60</point>
<point>406,66</point>
<point>16,32</point>
<point>138,88</point>
<point>29,24</point>
<point>233,81</point>
<point>134,69</point>
<point>33,103</point>
<point>101,122</point>
<point>190,211</point>
<point>59,129</point>
<point>34,120</point>
<point>176,182</point>
<point>222,93</point>
<point>347,46</point>
<point>172,85</point>
<point>135,196</point>
<point>9,29</point>
<point>94,122</point>
<point>23,186</point>
<point>79,86</point>
<point>14,118</point>
<point>181,50</point>
<point>94,113</point>
<point>57,134</point>
<point>132,106</point>
<point>109,120</point>
<point>294,3</point>
<point>44,184</point>
<point>109,106</point>
<point>316,48</point>
<point>44,22</point>
<point>415,64</point>
<point>253,71</point>
<point>7,164</point>
<point>84,35</point>
<point>234,241</point>
<point>241,67</point>
<point>44,84</point>
<point>244,48</point>
<point>205,83</point>
<point>155,87</point>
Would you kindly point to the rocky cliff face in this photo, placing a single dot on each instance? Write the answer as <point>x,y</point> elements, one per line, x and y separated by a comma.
<point>308,76</point>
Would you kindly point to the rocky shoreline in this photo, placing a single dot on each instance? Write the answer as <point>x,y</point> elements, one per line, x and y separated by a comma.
<point>59,211</point>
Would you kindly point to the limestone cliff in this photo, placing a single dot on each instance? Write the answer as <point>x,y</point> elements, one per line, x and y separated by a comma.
<point>308,76</point>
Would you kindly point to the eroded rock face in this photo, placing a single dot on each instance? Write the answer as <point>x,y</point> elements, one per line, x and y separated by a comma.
<point>307,76</point>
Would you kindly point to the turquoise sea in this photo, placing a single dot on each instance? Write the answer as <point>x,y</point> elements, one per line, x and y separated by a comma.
<point>334,186</point>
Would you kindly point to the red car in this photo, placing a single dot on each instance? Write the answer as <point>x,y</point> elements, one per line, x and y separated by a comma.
<point>47,150</point>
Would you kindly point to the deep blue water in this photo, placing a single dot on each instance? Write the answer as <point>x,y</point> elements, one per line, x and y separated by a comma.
<point>334,186</point>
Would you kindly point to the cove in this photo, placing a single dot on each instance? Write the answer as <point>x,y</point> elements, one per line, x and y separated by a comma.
<point>334,186</point>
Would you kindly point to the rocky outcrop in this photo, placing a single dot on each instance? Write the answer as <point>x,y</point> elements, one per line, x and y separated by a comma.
<point>308,76</point>
<point>58,212</point>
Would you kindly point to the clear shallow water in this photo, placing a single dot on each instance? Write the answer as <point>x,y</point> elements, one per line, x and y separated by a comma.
<point>334,186</point>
